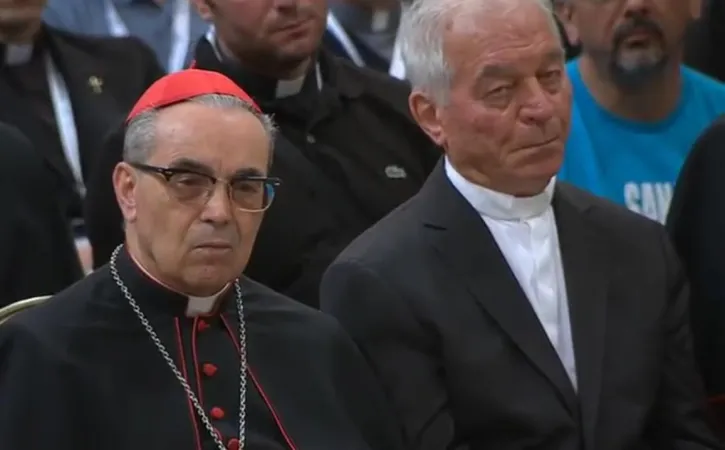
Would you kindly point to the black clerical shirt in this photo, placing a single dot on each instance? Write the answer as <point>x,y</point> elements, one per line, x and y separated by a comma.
<point>80,371</point>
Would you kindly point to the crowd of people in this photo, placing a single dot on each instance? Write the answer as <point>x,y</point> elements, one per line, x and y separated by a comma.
<point>362,224</point>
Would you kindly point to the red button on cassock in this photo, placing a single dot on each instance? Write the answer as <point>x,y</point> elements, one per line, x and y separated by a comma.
<point>209,369</point>
<point>202,325</point>
<point>233,444</point>
<point>217,413</point>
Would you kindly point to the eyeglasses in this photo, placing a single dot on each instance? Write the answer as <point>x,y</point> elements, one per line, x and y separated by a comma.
<point>248,193</point>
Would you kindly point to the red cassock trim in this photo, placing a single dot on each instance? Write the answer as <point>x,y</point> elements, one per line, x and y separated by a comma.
<point>266,400</point>
<point>192,412</point>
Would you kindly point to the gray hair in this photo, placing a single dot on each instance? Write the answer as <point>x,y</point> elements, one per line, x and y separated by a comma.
<point>422,39</point>
<point>140,137</point>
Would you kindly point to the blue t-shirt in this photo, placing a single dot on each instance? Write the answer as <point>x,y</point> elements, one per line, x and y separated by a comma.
<point>636,164</point>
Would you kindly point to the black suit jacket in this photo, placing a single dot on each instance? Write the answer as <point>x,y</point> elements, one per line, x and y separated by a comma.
<point>37,255</point>
<point>431,301</point>
<point>696,222</point>
<point>125,67</point>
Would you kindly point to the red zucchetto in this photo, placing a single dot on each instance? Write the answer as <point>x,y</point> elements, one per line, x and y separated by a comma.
<point>184,85</point>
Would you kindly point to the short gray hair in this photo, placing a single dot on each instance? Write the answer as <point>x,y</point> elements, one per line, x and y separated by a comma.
<point>422,39</point>
<point>140,136</point>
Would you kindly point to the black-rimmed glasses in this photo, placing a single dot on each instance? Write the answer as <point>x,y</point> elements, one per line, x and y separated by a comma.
<point>248,193</point>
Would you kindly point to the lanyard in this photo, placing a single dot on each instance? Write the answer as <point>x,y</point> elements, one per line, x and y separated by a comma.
<point>65,121</point>
<point>180,31</point>
<point>397,69</point>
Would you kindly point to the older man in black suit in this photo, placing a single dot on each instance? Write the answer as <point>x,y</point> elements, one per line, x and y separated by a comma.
<point>502,309</point>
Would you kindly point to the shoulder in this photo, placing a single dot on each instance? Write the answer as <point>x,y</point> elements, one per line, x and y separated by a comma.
<point>704,88</point>
<point>109,48</point>
<point>54,320</point>
<point>391,243</point>
<point>610,220</point>
<point>378,87</point>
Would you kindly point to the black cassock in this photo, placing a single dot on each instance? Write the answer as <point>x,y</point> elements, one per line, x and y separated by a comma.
<point>81,372</point>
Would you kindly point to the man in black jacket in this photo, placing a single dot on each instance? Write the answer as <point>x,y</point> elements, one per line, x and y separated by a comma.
<point>64,91</point>
<point>37,256</point>
<point>348,151</point>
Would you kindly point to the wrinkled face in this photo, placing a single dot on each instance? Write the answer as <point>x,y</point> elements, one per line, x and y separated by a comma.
<point>195,246</point>
<point>17,16</point>
<point>634,39</point>
<point>507,117</point>
<point>287,32</point>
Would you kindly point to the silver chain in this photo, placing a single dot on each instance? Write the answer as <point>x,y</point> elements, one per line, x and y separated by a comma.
<point>172,365</point>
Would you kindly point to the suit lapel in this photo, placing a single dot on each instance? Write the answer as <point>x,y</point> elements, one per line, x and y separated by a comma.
<point>465,244</point>
<point>94,108</point>
<point>584,256</point>
<point>21,115</point>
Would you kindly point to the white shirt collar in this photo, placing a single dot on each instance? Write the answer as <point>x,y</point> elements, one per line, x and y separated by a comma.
<point>17,54</point>
<point>497,205</point>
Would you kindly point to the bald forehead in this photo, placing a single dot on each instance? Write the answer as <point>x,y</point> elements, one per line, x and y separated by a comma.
<point>226,139</point>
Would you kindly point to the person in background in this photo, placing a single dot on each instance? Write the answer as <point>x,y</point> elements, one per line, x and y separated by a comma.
<point>705,41</point>
<point>348,150</point>
<point>500,307</point>
<point>366,32</point>
<point>696,222</point>
<point>64,91</point>
<point>167,346</point>
<point>170,27</point>
<point>37,256</point>
<point>637,109</point>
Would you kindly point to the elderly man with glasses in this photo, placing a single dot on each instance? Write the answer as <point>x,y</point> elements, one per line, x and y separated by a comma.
<point>168,346</point>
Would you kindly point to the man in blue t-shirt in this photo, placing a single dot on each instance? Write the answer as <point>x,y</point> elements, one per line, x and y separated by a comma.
<point>637,110</point>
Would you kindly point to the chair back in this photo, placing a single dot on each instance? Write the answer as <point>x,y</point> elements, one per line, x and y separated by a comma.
<point>8,311</point>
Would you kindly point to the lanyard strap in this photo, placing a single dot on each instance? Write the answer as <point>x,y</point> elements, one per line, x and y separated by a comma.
<point>397,69</point>
<point>65,122</point>
<point>180,31</point>
<point>397,65</point>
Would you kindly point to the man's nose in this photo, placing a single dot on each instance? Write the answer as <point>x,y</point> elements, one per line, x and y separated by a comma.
<point>218,209</point>
<point>539,107</point>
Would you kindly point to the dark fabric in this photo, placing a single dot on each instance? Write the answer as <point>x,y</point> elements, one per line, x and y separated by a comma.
<point>81,372</point>
<point>37,254</point>
<point>371,59</point>
<point>430,299</point>
<point>696,223</point>
<point>126,67</point>
<point>334,153</point>
<point>706,39</point>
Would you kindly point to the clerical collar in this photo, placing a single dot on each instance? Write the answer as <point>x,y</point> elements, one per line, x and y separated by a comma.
<point>20,54</point>
<point>260,86</point>
<point>497,205</point>
<point>150,292</point>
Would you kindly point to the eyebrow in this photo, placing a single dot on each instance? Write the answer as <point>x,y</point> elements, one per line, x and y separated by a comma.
<point>191,164</point>
<point>196,166</point>
<point>502,71</point>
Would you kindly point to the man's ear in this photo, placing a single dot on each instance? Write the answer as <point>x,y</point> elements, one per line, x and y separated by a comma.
<point>564,10</point>
<point>425,111</point>
<point>124,185</point>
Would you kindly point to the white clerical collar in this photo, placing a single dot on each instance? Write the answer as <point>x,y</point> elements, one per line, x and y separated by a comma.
<point>497,205</point>
<point>195,306</point>
<point>285,88</point>
<point>17,54</point>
